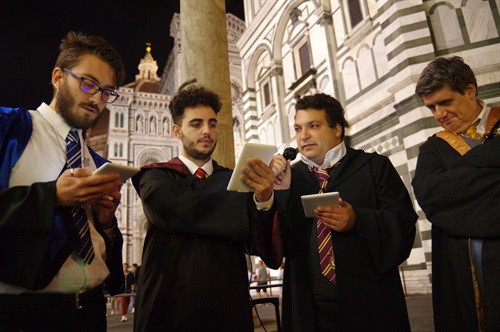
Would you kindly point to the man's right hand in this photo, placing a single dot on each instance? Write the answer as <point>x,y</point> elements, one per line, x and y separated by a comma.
<point>82,187</point>
<point>282,170</point>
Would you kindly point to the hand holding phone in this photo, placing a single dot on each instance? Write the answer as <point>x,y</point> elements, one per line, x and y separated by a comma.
<point>311,202</point>
<point>126,172</point>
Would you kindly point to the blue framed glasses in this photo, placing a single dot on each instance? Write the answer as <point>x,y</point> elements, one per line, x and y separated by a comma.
<point>89,86</point>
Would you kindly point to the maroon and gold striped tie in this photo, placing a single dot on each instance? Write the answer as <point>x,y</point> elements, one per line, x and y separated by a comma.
<point>325,247</point>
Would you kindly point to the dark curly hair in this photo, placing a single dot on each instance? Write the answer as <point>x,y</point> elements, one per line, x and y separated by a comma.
<point>192,97</point>
<point>321,101</point>
<point>452,72</point>
<point>75,45</point>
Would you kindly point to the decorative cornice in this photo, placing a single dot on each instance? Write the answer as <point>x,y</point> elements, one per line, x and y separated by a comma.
<point>311,72</point>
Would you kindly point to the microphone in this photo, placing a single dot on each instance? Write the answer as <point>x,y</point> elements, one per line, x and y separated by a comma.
<point>290,153</point>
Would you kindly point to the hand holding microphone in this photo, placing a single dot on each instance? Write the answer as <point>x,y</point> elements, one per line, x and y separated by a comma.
<point>280,161</point>
<point>290,153</point>
<point>281,168</point>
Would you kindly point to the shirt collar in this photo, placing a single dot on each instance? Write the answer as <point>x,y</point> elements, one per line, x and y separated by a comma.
<point>331,157</point>
<point>208,167</point>
<point>483,117</point>
<point>56,120</point>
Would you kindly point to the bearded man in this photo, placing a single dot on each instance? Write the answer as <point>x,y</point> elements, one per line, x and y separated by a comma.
<point>194,272</point>
<point>59,240</point>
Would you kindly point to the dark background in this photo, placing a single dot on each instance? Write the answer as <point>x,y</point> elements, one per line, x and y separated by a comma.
<point>31,32</point>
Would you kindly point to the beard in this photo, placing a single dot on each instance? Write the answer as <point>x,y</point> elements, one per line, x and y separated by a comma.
<point>67,108</point>
<point>190,150</point>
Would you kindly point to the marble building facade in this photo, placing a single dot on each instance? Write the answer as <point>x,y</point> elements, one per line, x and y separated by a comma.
<point>366,53</point>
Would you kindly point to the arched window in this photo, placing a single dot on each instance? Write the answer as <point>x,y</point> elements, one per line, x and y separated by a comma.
<point>366,66</point>
<point>445,26</point>
<point>350,77</point>
<point>303,58</point>
<point>380,55</point>
<point>355,13</point>
<point>479,21</point>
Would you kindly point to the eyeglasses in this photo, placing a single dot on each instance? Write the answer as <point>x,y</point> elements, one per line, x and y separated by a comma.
<point>89,86</point>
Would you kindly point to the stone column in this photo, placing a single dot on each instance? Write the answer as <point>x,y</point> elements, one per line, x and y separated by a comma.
<point>204,57</point>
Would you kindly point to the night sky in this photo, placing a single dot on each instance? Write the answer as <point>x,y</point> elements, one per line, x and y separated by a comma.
<point>31,34</point>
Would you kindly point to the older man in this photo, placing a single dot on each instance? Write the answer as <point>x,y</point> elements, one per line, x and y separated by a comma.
<point>457,184</point>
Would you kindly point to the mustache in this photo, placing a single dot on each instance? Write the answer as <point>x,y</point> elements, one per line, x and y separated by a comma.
<point>205,139</point>
<point>94,106</point>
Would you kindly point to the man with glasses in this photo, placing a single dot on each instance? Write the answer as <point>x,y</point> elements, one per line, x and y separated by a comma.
<point>59,240</point>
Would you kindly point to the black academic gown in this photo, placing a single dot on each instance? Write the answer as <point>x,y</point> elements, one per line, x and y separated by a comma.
<point>194,272</point>
<point>369,291</point>
<point>460,196</point>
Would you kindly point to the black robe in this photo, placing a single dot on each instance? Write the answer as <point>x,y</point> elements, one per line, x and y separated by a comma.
<point>460,196</point>
<point>194,272</point>
<point>369,292</point>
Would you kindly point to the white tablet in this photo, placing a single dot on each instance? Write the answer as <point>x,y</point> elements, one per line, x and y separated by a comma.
<point>311,202</point>
<point>126,172</point>
<point>250,150</point>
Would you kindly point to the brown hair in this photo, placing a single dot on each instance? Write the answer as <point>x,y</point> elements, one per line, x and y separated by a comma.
<point>452,72</point>
<point>75,45</point>
<point>192,97</point>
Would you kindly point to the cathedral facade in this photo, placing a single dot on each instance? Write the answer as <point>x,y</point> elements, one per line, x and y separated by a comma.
<point>367,54</point>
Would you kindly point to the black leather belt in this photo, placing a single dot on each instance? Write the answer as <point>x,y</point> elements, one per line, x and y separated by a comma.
<point>75,300</point>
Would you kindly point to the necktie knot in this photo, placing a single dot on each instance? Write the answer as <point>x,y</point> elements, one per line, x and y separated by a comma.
<point>323,177</point>
<point>73,136</point>
<point>73,149</point>
<point>200,173</point>
<point>323,173</point>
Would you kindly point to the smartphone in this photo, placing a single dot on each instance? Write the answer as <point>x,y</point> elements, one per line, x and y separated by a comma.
<point>265,152</point>
<point>126,172</point>
<point>311,202</point>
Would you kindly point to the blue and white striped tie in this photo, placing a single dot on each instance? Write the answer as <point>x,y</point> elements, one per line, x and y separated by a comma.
<point>74,154</point>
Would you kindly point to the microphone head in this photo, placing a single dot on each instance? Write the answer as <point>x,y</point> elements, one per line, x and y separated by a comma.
<point>290,153</point>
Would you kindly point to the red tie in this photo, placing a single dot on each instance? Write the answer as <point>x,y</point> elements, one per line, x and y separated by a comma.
<point>200,173</point>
